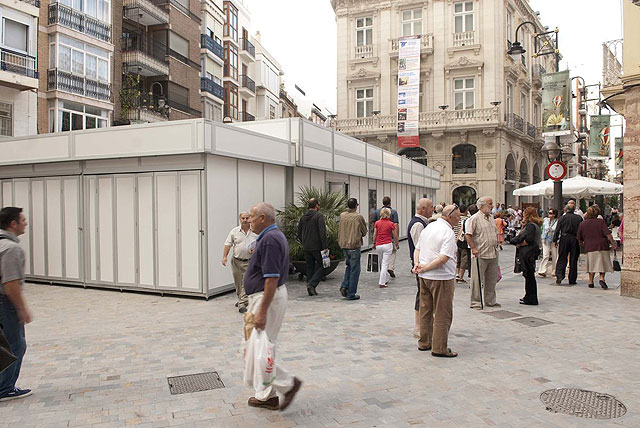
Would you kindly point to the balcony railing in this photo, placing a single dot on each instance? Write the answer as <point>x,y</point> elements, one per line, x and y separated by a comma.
<point>514,121</point>
<point>246,45</point>
<point>531,130</point>
<point>510,175</point>
<point>524,177</point>
<point>148,108</point>
<point>537,71</point>
<point>146,12</point>
<point>211,45</point>
<point>71,18</point>
<point>247,117</point>
<point>18,63</point>
<point>365,51</point>
<point>67,82</point>
<point>146,45</point>
<point>426,42</point>
<point>248,83</point>
<point>35,3</point>
<point>433,119</point>
<point>212,87</point>
<point>464,39</point>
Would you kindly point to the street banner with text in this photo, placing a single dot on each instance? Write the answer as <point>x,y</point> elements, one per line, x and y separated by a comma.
<point>408,91</point>
<point>618,152</point>
<point>556,104</point>
<point>599,137</point>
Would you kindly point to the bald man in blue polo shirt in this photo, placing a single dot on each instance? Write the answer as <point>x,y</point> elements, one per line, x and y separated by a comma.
<point>265,284</point>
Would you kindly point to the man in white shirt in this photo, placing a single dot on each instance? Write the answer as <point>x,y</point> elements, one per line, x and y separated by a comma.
<point>435,265</point>
<point>240,238</point>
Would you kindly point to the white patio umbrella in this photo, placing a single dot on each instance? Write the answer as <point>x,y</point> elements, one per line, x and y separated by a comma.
<point>542,188</point>
<point>584,187</point>
<point>578,186</point>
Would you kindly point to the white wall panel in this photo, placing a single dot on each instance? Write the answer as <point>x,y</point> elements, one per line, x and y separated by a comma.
<point>145,220</point>
<point>250,185</point>
<point>125,229</point>
<point>275,185</point>
<point>22,200</point>
<point>318,179</point>
<point>37,227</point>
<point>105,229</point>
<point>7,193</point>
<point>54,227</point>
<point>72,247</point>
<point>222,198</point>
<point>301,178</point>
<point>91,227</point>
<point>167,229</point>
<point>190,230</point>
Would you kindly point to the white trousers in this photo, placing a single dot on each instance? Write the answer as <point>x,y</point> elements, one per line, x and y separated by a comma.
<point>548,267</point>
<point>384,255</point>
<point>283,381</point>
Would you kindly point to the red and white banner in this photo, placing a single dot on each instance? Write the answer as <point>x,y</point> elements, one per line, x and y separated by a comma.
<point>408,91</point>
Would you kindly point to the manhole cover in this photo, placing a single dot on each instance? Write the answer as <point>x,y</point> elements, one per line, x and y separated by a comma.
<point>585,404</point>
<point>194,383</point>
<point>502,314</point>
<point>532,321</point>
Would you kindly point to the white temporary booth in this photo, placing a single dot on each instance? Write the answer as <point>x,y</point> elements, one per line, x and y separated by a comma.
<point>148,207</point>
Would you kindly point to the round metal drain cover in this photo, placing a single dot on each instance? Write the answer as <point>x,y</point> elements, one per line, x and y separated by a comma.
<point>585,404</point>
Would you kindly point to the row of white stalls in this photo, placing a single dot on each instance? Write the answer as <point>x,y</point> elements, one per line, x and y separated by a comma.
<point>148,207</point>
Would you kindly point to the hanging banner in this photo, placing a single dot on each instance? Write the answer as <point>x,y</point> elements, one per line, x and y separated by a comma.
<point>618,153</point>
<point>556,104</point>
<point>408,91</point>
<point>599,137</point>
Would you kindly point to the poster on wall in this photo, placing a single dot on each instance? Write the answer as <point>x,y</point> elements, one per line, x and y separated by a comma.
<point>556,104</point>
<point>618,153</point>
<point>408,108</point>
<point>599,137</point>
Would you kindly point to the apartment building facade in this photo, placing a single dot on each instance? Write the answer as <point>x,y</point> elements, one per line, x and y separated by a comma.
<point>212,59</point>
<point>18,67</point>
<point>480,109</point>
<point>268,77</point>
<point>239,58</point>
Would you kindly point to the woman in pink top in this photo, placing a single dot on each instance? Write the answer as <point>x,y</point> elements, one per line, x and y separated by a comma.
<point>385,236</point>
<point>500,224</point>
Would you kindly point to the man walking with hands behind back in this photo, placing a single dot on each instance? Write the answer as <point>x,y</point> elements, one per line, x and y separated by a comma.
<point>482,237</point>
<point>265,282</point>
<point>312,232</point>
<point>351,229</point>
<point>240,238</point>
<point>14,313</point>
<point>435,264</point>
<point>566,233</point>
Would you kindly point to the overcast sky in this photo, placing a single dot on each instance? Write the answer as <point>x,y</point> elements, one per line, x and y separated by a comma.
<point>301,34</point>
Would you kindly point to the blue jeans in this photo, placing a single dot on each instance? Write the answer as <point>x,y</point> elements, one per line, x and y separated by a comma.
<point>352,272</point>
<point>13,330</point>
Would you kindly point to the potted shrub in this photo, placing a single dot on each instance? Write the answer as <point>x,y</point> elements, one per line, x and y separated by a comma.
<point>331,205</point>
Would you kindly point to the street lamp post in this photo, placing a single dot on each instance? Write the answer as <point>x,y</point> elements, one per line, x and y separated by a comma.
<point>552,149</point>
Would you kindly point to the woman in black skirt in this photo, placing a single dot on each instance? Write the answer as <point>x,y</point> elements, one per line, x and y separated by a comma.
<point>528,243</point>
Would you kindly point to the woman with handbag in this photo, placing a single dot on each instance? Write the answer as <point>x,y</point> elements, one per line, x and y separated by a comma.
<point>595,236</point>
<point>385,236</point>
<point>549,251</point>
<point>528,243</point>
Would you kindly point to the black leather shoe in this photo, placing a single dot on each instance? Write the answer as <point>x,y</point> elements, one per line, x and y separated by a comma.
<point>343,291</point>
<point>356,297</point>
<point>392,274</point>
<point>311,291</point>
<point>591,285</point>
<point>603,284</point>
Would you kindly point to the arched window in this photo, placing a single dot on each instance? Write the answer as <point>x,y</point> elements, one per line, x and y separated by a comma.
<point>417,154</point>
<point>524,171</point>
<point>510,168</point>
<point>536,174</point>
<point>464,159</point>
<point>464,195</point>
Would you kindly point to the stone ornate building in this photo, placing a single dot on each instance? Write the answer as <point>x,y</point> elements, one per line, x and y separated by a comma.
<point>480,109</point>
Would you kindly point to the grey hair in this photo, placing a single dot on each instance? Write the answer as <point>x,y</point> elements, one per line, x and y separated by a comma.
<point>266,209</point>
<point>483,201</point>
<point>243,213</point>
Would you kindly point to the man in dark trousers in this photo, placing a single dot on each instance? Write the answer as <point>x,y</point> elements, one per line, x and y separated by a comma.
<point>312,232</point>
<point>424,210</point>
<point>565,239</point>
<point>386,203</point>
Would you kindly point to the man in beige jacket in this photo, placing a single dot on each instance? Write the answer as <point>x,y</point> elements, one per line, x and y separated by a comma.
<point>351,229</point>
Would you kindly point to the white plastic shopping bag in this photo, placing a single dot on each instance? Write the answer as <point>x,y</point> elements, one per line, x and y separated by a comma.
<point>259,360</point>
<point>326,261</point>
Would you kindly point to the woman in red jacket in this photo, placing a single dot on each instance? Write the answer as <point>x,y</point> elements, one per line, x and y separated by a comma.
<point>385,236</point>
<point>594,234</point>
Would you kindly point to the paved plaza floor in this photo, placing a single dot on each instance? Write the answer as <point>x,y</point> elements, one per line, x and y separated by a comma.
<point>100,358</point>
